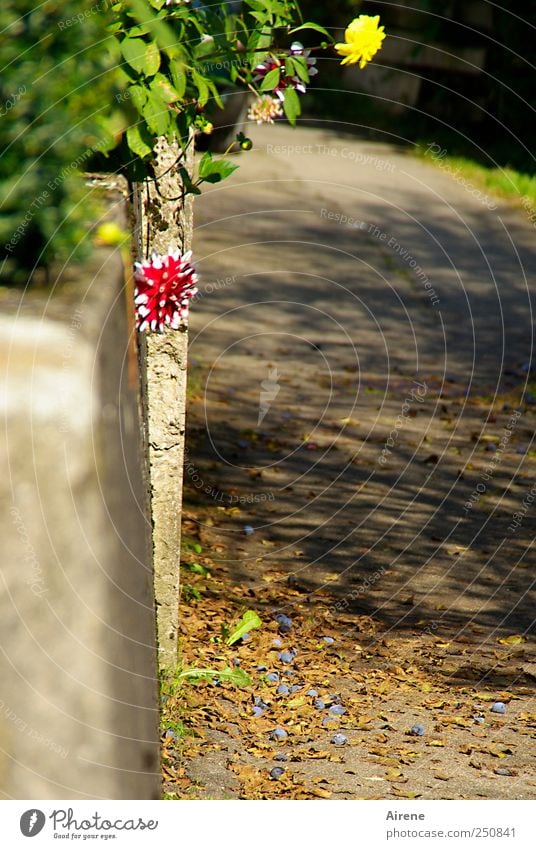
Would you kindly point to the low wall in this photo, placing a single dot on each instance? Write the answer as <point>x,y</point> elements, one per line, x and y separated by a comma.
<point>78,688</point>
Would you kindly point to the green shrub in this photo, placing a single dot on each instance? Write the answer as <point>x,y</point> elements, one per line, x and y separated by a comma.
<point>56,86</point>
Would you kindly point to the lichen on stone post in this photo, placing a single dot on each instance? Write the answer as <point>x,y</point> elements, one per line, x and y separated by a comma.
<point>164,218</point>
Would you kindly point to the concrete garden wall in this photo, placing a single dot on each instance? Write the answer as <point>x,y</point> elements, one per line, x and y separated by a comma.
<point>78,689</point>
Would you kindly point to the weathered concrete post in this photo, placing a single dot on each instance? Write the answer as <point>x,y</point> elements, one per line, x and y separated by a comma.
<point>164,218</point>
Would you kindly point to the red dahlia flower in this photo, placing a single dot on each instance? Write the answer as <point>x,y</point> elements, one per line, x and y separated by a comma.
<point>164,285</point>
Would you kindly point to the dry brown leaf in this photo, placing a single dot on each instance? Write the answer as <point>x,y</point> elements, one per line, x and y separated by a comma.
<point>322,794</point>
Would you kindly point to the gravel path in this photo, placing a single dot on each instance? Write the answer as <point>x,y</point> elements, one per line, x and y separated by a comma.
<point>361,441</point>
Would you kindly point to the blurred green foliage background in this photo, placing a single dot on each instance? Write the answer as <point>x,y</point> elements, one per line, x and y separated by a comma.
<point>56,85</point>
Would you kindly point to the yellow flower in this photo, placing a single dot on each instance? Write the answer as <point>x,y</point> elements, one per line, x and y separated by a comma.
<point>363,39</point>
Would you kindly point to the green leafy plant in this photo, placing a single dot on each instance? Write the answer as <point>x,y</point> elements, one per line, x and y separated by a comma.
<point>177,58</point>
<point>236,676</point>
<point>196,569</point>
<point>249,621</point>
<point>191,545</point>
<point>190,593</point>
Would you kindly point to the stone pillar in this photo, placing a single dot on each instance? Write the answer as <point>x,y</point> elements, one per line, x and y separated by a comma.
<point>164,218</point>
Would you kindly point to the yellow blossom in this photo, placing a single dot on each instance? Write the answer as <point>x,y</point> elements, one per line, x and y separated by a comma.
<point>363,39</point>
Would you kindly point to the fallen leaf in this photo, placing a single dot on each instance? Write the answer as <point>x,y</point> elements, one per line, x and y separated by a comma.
<point>391,774</point>
<point>512,640</point>
<point>322,794</point>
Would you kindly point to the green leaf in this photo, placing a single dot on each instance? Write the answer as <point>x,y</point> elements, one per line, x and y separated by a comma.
<point>151,62</point>
<point>290,70</point>
<point>189,186</point>
<point>202,87</point>
<point>215,93</point>
<point>214,170</point>
<point>139,140</point>
<point>234,676</point>
<point>138,30</point>
<point>179,79</point>
<point>156,114</point>
<point>138,95</point>
<point>163,88</point>
<point>161,32</point>
<point>291,105</point>
<point>271,80</point>
<point>300,67</point>
<point>192,545</point>
<point>133,50</point>
<point>249,621</point>
<point>311,25</point>
<point>196,568</point>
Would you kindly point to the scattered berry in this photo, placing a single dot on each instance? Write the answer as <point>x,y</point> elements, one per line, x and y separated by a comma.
<point>418,730</point>
<point>328,640</point>
<point>257,710</point>
<point>337,710</point>
<point>262,668</point>
<point>286,656</point>
<point>277,772</point>
<point>170,734</point>
<point>311,693</point>
<point>339,740</point>
<point>296,688</point>
<point>329,719</point>
<point>282,690</point>
<point>284,622</point>
<point>288,673</point>
<point>498,707</point>
<point>319,704</point>
<point>278,734</point>
<point>273,677</point>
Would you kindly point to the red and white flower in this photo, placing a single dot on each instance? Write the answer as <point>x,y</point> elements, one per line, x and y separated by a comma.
<point>286,80</point>
<point>164,286</point>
